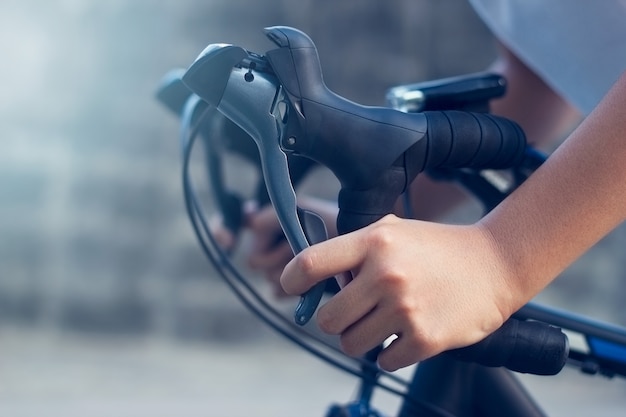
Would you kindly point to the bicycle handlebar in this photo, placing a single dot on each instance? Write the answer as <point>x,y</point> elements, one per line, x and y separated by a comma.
<point>453,139</point>
<point>281,101</point>
<point>523,346</point>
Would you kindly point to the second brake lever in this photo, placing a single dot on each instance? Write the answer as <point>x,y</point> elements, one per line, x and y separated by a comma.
<point>255,101</point>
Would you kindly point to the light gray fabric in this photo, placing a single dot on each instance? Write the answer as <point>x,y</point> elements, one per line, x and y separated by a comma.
<point>577,46</point>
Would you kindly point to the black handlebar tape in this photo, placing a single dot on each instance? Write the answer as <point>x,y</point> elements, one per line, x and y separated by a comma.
<point>523,346</point>
<point>453,139</point>
<point>457,139</point>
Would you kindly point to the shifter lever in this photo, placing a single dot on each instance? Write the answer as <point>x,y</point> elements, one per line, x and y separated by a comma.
<point>255,101</point>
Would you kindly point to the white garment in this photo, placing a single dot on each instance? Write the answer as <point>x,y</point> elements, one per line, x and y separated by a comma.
<point>577,46</point>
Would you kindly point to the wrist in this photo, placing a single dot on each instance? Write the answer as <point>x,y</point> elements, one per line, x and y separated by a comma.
<point>510,288</point>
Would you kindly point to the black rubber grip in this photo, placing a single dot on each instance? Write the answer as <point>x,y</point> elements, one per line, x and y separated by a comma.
<point>457,139</point>
<point>359,208</point>
<point>453,139</point>
<point>523,346</point>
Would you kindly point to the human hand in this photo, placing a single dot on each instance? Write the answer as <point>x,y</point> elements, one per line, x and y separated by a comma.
<point>436,287</point>
<point>224,237</point>
<point>270,252</point>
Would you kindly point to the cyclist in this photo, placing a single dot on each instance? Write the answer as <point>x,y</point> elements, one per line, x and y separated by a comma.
<point>437,287</point>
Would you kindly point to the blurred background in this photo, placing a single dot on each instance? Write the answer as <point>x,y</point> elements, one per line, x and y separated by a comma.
<point>107,305</point>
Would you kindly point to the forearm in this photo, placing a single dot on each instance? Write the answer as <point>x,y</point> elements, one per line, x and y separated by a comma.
<point>571,202</point>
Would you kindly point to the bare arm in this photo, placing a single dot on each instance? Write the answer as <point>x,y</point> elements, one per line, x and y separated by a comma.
<point>577,197</point>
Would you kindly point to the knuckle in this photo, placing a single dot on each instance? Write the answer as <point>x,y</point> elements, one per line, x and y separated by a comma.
<point>416,338</point>
<point>391,282</point>
<point>423,340</point>
<point>394,280</point>
<point>389,219</point>
<point>305,262</point>
<point>326,322</point>
<point>380,237</point>
<point>404,309</point>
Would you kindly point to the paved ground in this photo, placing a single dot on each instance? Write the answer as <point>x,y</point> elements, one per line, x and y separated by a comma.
<point>74,375</point>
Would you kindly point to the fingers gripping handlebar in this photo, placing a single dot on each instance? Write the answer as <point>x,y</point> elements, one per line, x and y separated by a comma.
<point>281,101</point>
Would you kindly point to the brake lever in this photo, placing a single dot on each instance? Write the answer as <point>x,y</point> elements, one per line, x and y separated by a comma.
<point>241,86</point>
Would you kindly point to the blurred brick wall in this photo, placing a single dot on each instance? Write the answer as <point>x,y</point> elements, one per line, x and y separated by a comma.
<point>94,233</point>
